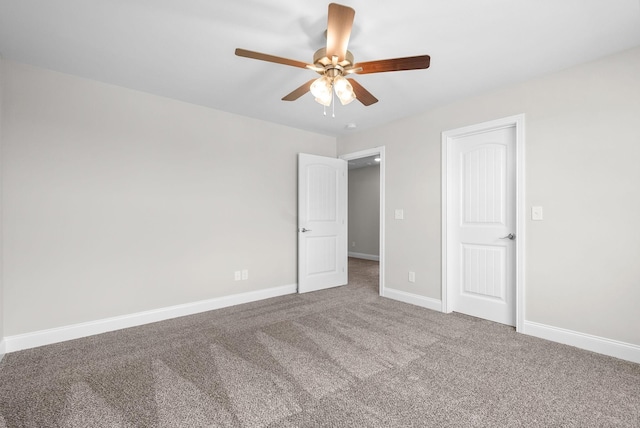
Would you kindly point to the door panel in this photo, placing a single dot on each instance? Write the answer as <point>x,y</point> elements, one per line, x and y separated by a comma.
<point>322,228</point>
<point>484,206</point>
<point>482,271</point>
<point>484,173</point>
<point>321,255</point>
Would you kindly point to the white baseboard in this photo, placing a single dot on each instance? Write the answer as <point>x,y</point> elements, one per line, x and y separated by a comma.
<point>601,345</point>
<point>364,256</point>
<point>2,349</point>
<point>414,299</point>
<point>76,331</point>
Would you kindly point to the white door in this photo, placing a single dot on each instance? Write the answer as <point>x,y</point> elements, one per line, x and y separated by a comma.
<point>322,222</point>
<point>482,247</point>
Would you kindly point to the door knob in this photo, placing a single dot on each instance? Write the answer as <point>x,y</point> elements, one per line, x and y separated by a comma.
<point>305,230</point>
<point>510,236</point>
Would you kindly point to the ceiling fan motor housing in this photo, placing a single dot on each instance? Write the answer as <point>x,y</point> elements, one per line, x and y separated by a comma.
<point>329,67</point>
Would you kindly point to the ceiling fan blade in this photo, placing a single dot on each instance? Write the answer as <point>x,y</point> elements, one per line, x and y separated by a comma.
<point>297,93</point>
<point>339,26</point>
<point>397,64</point>
<point>362,94</point>
<point>270,58</point>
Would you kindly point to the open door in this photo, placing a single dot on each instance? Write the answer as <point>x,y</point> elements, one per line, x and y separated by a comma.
<point>322,222</point>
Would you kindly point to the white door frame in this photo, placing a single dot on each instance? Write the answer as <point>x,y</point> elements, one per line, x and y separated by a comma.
<point>447,159</point>
<point>362,154</point>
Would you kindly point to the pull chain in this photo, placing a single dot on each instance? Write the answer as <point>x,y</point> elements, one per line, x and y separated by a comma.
<point>333,102</point>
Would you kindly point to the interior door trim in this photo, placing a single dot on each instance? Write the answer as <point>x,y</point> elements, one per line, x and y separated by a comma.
<point>518,121</point>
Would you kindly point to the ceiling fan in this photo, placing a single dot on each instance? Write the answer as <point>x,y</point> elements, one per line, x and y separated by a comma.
<point>334,62</point>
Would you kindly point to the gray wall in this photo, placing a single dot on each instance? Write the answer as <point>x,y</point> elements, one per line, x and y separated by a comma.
<point>117,201</point>
<point>364,210</point>
<point>582,153</point>
<point>1,240</point>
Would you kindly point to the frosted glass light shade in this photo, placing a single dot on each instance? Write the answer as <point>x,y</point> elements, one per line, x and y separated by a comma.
<point>326,101</point>
<point>321,87</point>
<point>344,90</point>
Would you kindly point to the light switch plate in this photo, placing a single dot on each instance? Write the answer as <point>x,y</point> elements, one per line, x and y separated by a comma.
<point>536,213</point>
<point>399,214</point>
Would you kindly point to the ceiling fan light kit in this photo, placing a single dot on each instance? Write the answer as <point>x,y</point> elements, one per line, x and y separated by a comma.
<point>334,62</point>
<point>321,89</point>
<point>344,90</point>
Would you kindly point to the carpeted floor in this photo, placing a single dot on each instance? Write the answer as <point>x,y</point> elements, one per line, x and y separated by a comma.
<point>342,357</point>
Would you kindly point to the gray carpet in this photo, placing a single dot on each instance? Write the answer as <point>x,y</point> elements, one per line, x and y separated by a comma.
<point>337,358</point>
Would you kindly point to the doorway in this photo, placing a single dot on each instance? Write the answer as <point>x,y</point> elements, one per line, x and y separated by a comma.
<point>360,244</point>
<point>483,220</point>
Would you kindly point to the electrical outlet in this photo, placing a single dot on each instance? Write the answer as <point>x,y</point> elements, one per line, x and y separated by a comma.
<point>237,275</point>
<point>353,243</point>
<point>245,274</point>
<point>412,276</point>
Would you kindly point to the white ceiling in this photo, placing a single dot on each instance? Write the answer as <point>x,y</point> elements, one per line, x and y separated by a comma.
<point>184,49</point>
